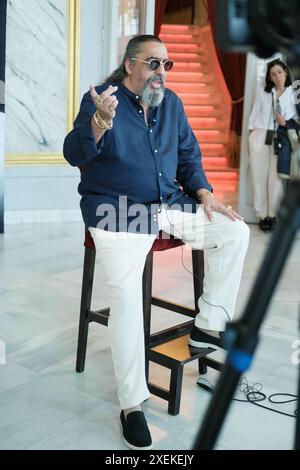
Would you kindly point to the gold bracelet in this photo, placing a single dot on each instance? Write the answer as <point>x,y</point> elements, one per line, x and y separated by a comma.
<point>101,123</point>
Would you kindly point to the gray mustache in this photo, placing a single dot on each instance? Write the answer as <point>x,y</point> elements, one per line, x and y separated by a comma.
<point>156,78</point>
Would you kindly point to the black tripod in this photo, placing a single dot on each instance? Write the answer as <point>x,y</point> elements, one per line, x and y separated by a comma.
<point>241,337</point>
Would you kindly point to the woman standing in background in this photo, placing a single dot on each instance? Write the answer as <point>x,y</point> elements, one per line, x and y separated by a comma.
<point>273,107</point>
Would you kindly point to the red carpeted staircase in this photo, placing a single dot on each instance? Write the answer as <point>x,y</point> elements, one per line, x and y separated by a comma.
<point>198,81</point>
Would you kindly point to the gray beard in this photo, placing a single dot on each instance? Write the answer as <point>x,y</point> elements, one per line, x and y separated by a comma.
<point>152,98</point>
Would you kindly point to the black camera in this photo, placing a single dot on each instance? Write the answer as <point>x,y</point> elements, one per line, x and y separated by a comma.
<point>269,137</point>
<point>261,26</point>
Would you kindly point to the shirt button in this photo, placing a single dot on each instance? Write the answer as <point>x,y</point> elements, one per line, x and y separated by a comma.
<point>155,151</point>
<point>151,130</point>
<point>137,97</point>
<point>140,111</point>
<point>161,198</point>
<point>159,174</point>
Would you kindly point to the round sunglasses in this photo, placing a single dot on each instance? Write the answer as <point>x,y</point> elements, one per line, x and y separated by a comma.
<point>154,64</point>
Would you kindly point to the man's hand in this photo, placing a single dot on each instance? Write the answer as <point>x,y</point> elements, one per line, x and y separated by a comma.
<point>210,204</point>
<point>280,119</point>
<point>105,103</point>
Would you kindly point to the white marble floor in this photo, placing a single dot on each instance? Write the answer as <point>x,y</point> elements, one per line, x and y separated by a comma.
<point>45,404</point>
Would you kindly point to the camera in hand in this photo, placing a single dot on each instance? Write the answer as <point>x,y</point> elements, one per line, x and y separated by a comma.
<point>269,137</point>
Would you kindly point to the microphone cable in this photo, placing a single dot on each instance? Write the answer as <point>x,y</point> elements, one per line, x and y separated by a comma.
<point>191,272</point>
<point>253,394</point>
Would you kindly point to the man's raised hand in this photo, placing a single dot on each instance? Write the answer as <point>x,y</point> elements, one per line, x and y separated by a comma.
<point>106,102</point>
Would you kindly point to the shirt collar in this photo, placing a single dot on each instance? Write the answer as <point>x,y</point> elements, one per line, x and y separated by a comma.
<point>129,93</point>
<point>132,95</point>
<point>153,112</point>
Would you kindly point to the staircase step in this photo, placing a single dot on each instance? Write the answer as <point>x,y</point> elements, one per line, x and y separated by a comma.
<point>190,67</point>
<point>224,175</point>
<point>210,136</point>
<point>213,149</point>
<point>182,87</point>
<point>178,29</point>
<point>200,98</point>
<point>194,77</point>
<point>207,123</point>
<point>214,163</point>
<point>202,56</point>
<point>204,110</point>
<point>171,38</point>
<point>223,186</point>
<point>183,47</point>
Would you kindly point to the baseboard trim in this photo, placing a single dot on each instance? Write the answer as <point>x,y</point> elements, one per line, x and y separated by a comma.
<point>42,216</point>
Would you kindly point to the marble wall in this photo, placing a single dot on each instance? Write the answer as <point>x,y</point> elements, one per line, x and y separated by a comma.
<point>36,75</point>
<point>2,103</point>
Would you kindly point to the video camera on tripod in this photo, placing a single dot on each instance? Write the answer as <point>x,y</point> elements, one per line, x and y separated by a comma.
<point>266,27</point>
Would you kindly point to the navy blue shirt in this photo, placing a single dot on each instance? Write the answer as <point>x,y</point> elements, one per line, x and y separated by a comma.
<point>135,168</point>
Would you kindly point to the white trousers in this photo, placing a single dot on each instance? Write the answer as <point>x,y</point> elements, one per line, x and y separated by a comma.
<point>267,186</point>
<point>122,257</point>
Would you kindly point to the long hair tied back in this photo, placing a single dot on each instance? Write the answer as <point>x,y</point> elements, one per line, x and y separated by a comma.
<point>133,48</point>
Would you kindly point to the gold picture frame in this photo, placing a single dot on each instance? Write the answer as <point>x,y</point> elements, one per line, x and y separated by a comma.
<point>72,90</point>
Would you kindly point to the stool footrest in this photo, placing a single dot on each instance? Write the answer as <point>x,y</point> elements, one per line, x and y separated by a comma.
<point>170,333</point>
<point>176,351</point>
<point>174,354</point>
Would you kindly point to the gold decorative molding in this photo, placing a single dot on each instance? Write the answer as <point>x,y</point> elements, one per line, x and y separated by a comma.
<point>41,158</point>
<point>73,61</point>
<point>72,91</point>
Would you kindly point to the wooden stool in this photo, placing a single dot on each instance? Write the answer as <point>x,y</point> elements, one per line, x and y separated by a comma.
<point>168,347</point>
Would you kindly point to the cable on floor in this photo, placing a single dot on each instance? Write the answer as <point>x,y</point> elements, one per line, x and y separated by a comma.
<point>253,394</point>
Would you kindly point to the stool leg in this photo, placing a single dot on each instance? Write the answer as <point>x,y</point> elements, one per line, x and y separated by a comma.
<point>86,298</point>
<point>147,297</point>
<point>202,367</point>
<point>175,389</point>
<point>198,271</point>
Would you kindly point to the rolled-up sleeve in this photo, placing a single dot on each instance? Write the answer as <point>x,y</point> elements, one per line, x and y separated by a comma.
<point>190,173</point>
<point>79,145</point>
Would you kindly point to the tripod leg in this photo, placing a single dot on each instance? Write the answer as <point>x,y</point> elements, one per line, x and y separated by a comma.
<point>297,433</point>
<point>241,337</point>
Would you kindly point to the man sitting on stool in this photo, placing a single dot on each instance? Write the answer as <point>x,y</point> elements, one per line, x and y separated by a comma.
<point>141,172</point>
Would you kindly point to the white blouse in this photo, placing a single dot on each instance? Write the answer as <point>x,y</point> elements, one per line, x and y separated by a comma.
<point>261,116</point>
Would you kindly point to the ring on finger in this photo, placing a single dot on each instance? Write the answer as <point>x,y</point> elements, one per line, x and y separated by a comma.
<point>228,208</point>
<point>99,100</point>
